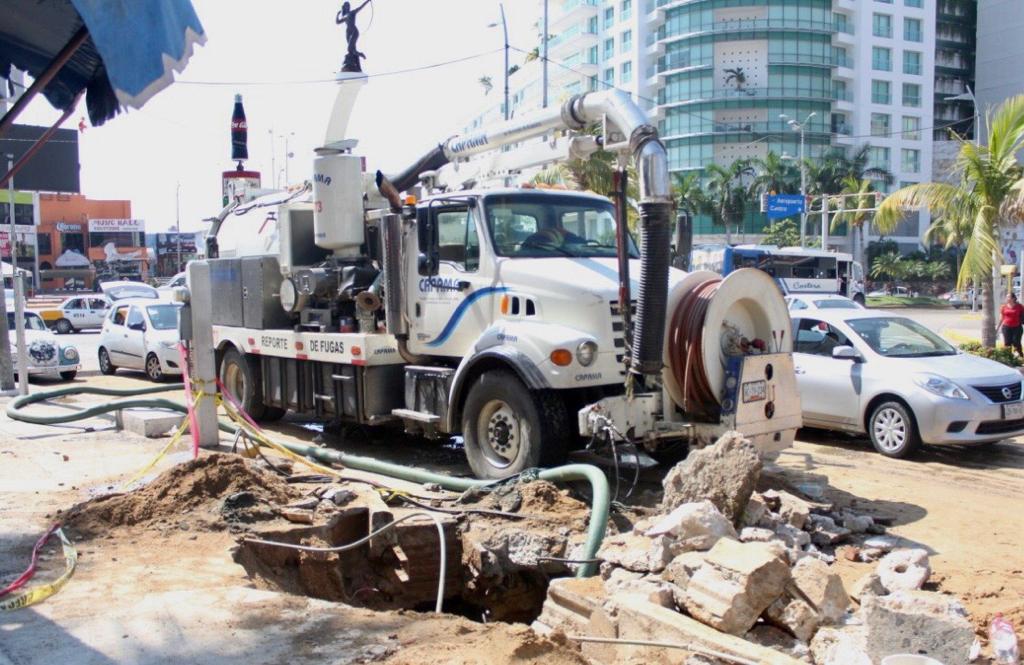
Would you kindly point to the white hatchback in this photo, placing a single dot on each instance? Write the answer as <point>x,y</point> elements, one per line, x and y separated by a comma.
<point>141,334</point>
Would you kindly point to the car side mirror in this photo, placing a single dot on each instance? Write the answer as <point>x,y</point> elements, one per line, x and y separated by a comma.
<point>846,352</point>
<point>141,325</point>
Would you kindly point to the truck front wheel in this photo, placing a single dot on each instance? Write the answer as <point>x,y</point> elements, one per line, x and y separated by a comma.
<point>508,429</point>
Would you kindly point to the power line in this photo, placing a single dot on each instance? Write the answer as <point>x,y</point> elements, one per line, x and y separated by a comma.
<point>695,114</point>
<point>335,80</point>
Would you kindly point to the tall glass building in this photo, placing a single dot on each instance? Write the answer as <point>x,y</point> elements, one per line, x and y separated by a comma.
<point>716,75</point>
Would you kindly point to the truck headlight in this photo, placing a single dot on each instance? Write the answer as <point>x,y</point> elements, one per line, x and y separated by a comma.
<point>586,353</point>
<point>940,386</point>
<point>70,353</point>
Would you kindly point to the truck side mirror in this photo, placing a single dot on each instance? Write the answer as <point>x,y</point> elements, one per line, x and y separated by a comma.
<point>429,260</point>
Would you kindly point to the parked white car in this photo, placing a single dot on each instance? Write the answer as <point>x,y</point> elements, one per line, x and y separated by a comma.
<point>121,290</point>
<point>76,313</point>
<point>178,281</point>
<point>141,334</point>
<point>890,377</point>
<point>46,356</point>
<point>804,301</point>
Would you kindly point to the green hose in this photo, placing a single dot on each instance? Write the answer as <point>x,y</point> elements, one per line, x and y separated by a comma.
<point>600,502</point>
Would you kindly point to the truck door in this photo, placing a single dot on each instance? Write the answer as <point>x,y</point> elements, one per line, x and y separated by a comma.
<point>449,310</point>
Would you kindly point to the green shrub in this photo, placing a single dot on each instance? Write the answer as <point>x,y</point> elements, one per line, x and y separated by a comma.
<point>1000,354</point>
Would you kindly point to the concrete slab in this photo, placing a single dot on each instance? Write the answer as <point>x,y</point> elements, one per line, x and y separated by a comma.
<point>150,423</point>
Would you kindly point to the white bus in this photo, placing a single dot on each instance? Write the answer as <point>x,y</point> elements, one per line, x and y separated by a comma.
<point>795,269</point>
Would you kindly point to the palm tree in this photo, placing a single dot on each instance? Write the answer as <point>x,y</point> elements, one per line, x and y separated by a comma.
<point>889,265</point>
<point>853,213</point>
<point>689,194</point>
<point>986,191</point>
<point>952,233</point>
<point>774,175</point>
<point>486,82</point>
<point>726,194</point>
<point>826,175</point>
<point>737,76</point>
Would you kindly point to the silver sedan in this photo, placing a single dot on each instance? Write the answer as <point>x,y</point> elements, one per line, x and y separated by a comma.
<point>890,377</point>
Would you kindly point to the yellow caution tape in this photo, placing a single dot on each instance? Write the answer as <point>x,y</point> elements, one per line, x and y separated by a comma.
<point>170,444</point>
<point>43,591</point>
<point>258,436</point>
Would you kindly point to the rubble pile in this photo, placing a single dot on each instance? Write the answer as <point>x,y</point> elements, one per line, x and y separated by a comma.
<point>750,574</point>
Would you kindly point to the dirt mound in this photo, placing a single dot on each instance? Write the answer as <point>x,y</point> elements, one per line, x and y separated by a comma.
<point>543,497</point>
<point>212,490</point>
<point>461,641</point>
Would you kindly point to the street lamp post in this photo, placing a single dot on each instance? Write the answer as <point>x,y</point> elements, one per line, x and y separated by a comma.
<point>19,305</point>
<point>177,222</point>
<point>544,55</point>
<point>504,30</point>
<point>799,127</point>
<point>969,97</point>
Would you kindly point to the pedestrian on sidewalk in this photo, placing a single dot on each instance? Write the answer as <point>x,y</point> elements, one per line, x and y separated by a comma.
<point>1011,314</point>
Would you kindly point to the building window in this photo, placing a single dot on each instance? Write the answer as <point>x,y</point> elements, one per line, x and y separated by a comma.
<point>841,23</point>
<point>911,94</point>
<point>626,42</point>
<point>592,56</point>
<point>592,25</point>
<point>609,76</point>
<point>912,30</point>
<point>43,241</point>
<point>911,128</point>
<point>627,8</point>
<point>839,91</point>
<point>609,17</point>
<point>627,72</point>
<point>910,161</point>
<point>884,2</point>
<point>879,158</point>
<point>914,3</point>
<point>880,124</point>
<point>881,59</point>
<point>881,92</point>
<point>593,83</point>
<point>881,25</point>
<point>609,48</point>
<point>912,62</point>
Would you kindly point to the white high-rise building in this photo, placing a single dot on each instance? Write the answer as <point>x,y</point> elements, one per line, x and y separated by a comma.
<point>717,74</point>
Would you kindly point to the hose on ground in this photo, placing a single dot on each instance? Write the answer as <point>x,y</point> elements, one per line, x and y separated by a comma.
<point>600,495</point>
<point>686,350</point>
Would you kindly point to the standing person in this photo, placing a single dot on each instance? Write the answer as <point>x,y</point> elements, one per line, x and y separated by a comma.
<point>1011,314</point>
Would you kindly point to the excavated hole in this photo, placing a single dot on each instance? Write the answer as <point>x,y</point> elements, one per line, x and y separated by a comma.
<point>397,570</point>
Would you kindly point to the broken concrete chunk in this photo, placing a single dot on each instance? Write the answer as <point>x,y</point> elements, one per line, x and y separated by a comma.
<point>794,616</point>
<point>823,587</point>
<point>792,536</point>
<point>681,569</point>
<point>297,515</point>
<point>308,503</point>
<point>867,585</point>
<point>904,570</point>
<point>825,531</point>
<point>570,602</point>
<point>773,638</point>
<point>835,646</point>
<point>753,534</point>
<point>755,510</point>
<point>857,523</point>
<point>792,509</point>
<point>636,552</point>
<point>918,622</point>
<point>693,526</point>
<point>737,582</point>
<point>654,589</point>
<point>724,473</point>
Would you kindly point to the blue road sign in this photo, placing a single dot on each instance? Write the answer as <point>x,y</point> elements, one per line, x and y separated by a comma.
<point>784,205</point>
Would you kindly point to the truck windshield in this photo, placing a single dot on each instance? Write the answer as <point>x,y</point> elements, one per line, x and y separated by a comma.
<point>544,225</point>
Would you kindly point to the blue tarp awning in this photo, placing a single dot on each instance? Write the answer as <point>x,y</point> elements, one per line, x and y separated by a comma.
<point>133,48</point>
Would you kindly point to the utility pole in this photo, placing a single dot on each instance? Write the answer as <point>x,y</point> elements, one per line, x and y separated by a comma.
<point>19,305</point>
<point>544,58</point>
<point>6,369</point>
<point>177,223</point>
<point>504,29</point>
<point>799,127</point>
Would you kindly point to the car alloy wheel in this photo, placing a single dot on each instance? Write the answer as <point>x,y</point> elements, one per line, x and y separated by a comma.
<point>153,370</point>
<point>890,429</point>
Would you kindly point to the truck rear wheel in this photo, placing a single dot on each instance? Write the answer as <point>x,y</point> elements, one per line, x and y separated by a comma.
<point>508,429</point>
<point>241,377</point>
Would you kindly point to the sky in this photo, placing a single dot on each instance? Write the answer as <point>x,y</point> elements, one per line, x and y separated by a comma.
<point>268,50</point>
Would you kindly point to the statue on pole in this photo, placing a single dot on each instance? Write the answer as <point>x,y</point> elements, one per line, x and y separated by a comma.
<point>347,15</point>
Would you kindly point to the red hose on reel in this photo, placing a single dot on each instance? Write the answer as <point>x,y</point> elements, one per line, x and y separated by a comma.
<point>686,350</point>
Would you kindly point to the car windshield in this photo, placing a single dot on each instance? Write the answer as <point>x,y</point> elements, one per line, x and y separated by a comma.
<point>542,225</point>
<point>900,338</point>
<point>163,317</point>
<point>32,321</point>
<point>835,304</point>
<point>131,291</point>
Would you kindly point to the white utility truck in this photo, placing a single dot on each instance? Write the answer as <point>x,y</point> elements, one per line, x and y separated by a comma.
<point>496,312</point>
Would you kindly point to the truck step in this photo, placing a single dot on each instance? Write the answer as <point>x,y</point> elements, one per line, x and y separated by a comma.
<point>418,416</point>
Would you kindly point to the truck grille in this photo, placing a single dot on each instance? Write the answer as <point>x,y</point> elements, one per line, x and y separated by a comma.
<point>618,332</point>
<point>996,394</point>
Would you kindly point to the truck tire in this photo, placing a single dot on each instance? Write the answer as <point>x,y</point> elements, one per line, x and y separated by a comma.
<point>241,377</point>
<point>508,429</point>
